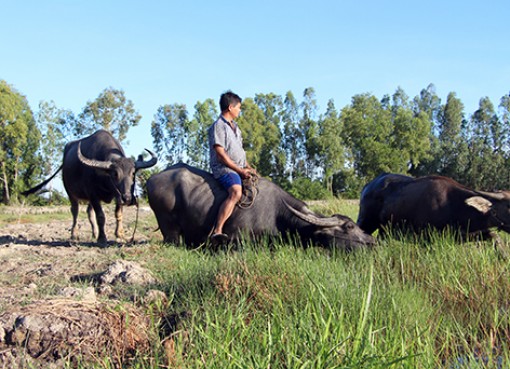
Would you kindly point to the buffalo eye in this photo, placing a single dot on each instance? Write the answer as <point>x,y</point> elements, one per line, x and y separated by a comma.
<point>349,226</point>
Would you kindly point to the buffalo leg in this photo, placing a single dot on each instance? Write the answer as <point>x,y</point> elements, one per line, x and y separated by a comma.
<point>75,207</point>
<point>172,236</point>
<point>119,230</point>
<point>92,219</point>
<point>100,218</point>
<point>169,228</point>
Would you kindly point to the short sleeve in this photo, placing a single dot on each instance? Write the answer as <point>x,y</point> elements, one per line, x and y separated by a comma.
<point>219,137</point>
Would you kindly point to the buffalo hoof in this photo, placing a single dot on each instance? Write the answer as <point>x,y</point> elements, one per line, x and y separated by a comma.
<point>102,242</point>
<point>219,239</point>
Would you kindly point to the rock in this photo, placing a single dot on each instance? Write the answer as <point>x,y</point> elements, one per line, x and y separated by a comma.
<point>128,272</point>
<point>86,294</point>
<point>155,297</point>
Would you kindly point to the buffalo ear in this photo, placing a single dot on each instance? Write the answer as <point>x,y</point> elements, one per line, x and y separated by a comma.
<point>479,203</point>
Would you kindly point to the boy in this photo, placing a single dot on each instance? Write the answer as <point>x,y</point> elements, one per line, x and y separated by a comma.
<point>228,159</point>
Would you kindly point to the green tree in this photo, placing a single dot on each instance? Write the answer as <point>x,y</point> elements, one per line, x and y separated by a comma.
<point>197,144</point>
<point>367,132</point>
<point>484,159</point>
<point>429,103</point>
<point>331,151</point>
<point>504,109</point>
<point>56,126</point>
<point>453,147</point>
<point>386,135</point>
<point>19,143</point>
<point>251,122</point>
<point>410,131</point>
<point>111,111</point>
<point>293,138</point>
<point>169,132</point>
<point>308,124</point>
<point>272,155</point>
<point>142,178</point>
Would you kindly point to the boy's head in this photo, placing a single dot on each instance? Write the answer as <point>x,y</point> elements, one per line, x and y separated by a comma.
<point>228,98</point>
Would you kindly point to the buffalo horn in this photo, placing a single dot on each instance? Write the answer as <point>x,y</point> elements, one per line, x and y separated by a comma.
<point>312,219</point>
<point>92,162</point>
<point>493,195</point>
<point>140,164</point>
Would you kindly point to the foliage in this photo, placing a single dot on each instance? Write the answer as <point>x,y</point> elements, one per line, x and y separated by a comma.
<point>197,143</point>
<point>290,142</point>
<point>142,178</point>
<point>384,136</point>
<point>53,197</point>
<point>331,150</point>
<point>272,157</point>
<point>251,123</point>
<point>307,189</point>
<point>111,111</point>
<point>57,128</point>
<point>19,143</point>
<point>292,138</point>
<point>485,146</point>
<point>453,148</point>
<point>169,130</point>
<point>308,124</point>
<point>347,185</point>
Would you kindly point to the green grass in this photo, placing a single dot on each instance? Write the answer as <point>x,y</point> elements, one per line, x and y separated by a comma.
<point>31,218</point>
<point>424,304</point>
<point>411,303</point>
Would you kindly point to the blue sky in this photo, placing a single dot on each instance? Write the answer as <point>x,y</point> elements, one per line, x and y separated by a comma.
<point>165,52</point>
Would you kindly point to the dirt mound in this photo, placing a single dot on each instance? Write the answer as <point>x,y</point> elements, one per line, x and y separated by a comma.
<point>59,300</point>
<point>126,272</point>
<point>49,333</point>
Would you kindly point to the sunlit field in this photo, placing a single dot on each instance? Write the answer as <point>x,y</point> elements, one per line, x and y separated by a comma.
<point>407,303</point>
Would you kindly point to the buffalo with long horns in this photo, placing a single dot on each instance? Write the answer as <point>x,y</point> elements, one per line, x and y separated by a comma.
<point>95,169</point>
<point>186,201</point>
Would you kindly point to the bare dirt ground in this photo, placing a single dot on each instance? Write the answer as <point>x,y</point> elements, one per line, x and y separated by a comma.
<point>57,298</point>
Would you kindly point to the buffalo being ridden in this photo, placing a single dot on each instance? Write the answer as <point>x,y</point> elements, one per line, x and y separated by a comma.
<point>185,201</point>
<point>96,169</point>
<point>417,204</point>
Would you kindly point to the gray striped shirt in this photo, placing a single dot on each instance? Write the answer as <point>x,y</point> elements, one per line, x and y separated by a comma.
<point>220,133</point>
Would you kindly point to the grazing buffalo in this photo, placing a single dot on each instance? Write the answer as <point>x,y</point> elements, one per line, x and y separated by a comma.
<point>96,169</point>
<point>186,201</point>
<point>417,204</point>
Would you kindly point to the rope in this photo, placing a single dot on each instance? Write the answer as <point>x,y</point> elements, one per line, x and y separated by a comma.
<point>250,191</point>
<point>136,220</point>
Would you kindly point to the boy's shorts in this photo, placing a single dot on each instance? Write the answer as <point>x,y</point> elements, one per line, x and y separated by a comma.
<point>230,179</point>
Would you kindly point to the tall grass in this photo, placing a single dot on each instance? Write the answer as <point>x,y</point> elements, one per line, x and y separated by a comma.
<point>422,304</point>
<point>408,303</point>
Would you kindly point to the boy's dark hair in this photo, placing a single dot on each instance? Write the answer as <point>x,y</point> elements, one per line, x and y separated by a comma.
<point>228,98</point>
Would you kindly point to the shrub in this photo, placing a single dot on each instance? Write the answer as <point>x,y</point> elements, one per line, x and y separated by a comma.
<point>306,189</point>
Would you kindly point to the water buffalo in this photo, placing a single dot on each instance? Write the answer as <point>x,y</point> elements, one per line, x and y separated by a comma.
<point>418,204</point>
<point>96,169</point>
<point>186,201</point>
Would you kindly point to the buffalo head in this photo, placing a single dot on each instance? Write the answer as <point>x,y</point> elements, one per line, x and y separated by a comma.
<point>121,171</point>
<point>494,204</point>
<point>337,231</point>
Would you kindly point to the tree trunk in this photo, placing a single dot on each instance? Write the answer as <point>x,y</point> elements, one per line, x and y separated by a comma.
<point>6,198</point>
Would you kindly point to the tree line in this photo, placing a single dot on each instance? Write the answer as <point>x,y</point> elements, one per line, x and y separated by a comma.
<point>311,154</point>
